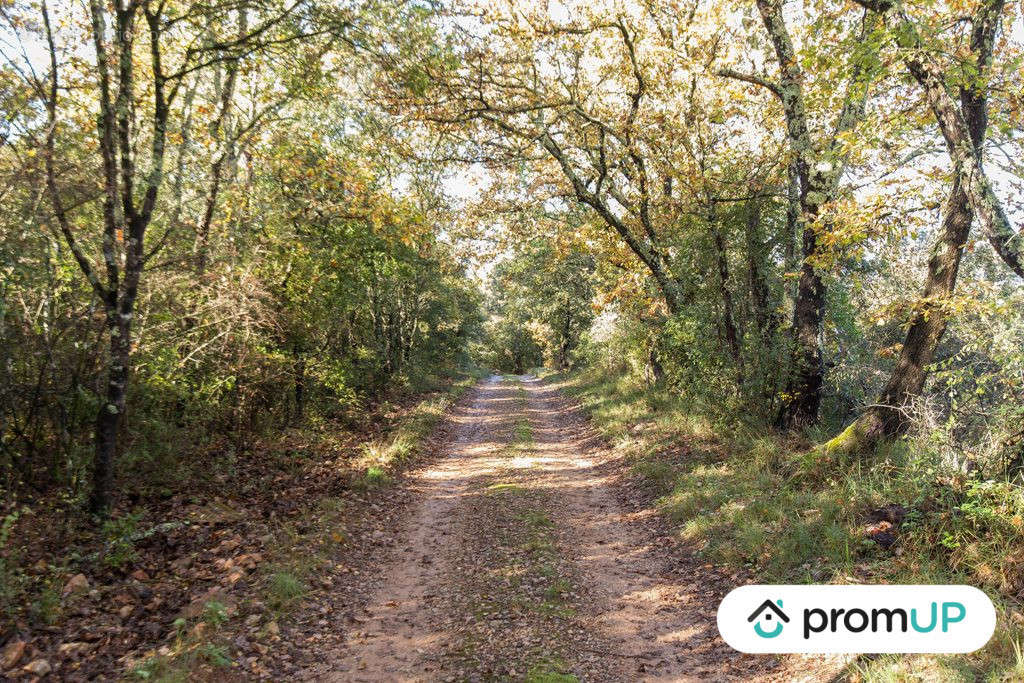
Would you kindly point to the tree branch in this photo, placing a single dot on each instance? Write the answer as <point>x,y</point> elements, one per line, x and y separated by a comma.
<point>753,79</point>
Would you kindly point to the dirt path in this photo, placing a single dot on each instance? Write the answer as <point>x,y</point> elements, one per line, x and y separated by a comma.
<point>523,557</point>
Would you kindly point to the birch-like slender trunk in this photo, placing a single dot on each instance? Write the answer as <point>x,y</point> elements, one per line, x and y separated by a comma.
<point>124,218</point>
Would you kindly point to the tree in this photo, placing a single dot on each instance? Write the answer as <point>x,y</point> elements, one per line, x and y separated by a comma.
<point>961,126</point>
<point>818,163</point>
<point>118,35</point>
<point>546,294</point>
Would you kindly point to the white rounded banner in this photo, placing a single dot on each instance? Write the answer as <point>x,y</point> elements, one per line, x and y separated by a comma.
<point>856,619</point>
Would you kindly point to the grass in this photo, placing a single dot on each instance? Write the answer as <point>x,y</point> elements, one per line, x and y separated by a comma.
<point>745,497</point>
<point>381,459</point>
<point>549,671</point>
<point>504,488</point>
<point>283,590</point>
<point>194,644</point>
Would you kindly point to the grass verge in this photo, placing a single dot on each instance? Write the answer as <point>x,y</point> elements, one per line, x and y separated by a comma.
<point>744,496</point>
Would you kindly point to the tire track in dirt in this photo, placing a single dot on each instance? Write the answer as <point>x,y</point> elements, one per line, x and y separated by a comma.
<point>397,635</point>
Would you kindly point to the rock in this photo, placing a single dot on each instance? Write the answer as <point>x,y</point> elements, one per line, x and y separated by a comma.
<point>76,584</point>
<point>39,667</point>
<point>181,564</point>
<point>11,654</point>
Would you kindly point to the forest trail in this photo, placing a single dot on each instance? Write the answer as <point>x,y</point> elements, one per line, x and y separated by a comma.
<point>520,557</point>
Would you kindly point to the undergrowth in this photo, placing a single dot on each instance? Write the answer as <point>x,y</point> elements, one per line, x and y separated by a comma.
<point>745,496</point>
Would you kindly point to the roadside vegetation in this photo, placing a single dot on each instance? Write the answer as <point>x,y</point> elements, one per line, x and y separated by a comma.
<point>212,579</point>
<point>225,310</point>
<point>769,506</point>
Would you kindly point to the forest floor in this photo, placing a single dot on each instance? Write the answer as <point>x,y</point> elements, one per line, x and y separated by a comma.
<point>526,551</point>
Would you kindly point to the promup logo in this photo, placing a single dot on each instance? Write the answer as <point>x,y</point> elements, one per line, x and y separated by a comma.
<point>764,615</point>
<point>858,619</point>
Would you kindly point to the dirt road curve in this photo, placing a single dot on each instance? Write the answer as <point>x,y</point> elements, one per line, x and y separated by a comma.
<point>522,557</point>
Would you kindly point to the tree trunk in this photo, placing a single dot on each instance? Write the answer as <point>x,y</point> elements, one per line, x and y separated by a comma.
<point>108,418</point>
<point>563,347</point>
<point>654,370</point>
<point>732,336</point>
<point>817,169</point>
<point>888,417</point>
<point>956,126</point>
<point>967,164</point>
<point>803,395</point>
<point>790,260</point>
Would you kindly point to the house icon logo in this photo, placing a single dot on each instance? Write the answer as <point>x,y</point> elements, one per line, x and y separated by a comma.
<point>768,619</point>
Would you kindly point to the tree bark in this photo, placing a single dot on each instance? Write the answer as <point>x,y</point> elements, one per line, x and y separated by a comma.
<point>655,372</point>
<point>802,399</point>
<point>124,218</point>
<point>108,419</point>
<point>967,164</point>
<point>564,346</point>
